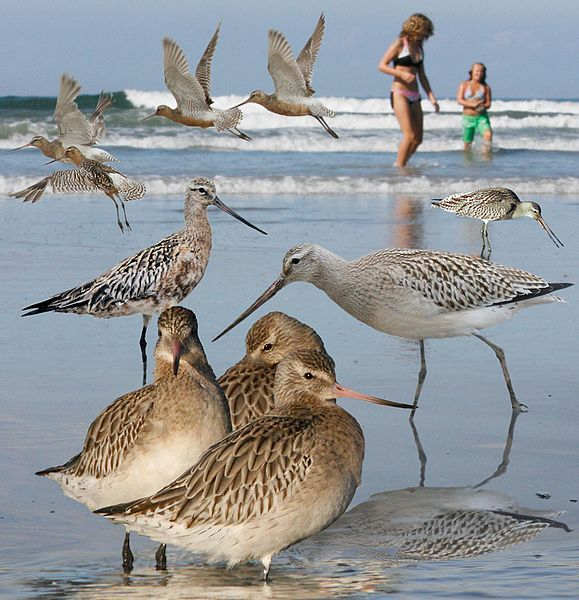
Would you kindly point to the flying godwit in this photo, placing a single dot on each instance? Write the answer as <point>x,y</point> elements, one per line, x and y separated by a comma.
<point>147,438</point>
<point>248,385</point>
<point>74,129</point>
<point>493,204</point>
<point>417,294</point>
<point>89,176</point>
<point>264,487</point>
<point>292,79</point>
<point>155,278</point>
<point>193,92</point>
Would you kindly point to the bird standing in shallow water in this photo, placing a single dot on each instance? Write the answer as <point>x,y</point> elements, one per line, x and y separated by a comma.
<point>89,176</point>
<point>293,78</point>
<point>248,385</point>
<point>417,294</point>
<point>270,484</point>
<point>193,92</point>
<point>493,204</point>
<point>74,129</point>
<point>153,279</point>
<point>147,438</point>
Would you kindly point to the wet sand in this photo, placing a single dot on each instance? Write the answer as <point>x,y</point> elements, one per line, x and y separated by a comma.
<point>59,371</point>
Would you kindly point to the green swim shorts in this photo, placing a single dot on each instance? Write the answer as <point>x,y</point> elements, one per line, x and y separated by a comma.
<point>471,124</point>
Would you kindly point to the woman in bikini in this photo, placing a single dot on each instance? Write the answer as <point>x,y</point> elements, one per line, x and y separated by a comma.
<point>407,57</point>
<point>474,95</point>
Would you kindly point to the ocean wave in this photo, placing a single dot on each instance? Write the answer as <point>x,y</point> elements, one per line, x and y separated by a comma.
<point>330,186</point>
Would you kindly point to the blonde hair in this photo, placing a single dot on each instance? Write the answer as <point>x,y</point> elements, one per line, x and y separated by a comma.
<point>483,79</point>
<point>417,27</point>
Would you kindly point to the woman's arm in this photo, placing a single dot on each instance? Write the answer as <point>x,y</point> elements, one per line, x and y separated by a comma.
<point>426,86</point>
<point>488,97</point>
<point>390,54</point>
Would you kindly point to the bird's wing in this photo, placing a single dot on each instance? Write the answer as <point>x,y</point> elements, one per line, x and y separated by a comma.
<point>307,57</point>
<point>287,76</point>
<point>112,434</point>
<point>203,70</point>
<point>73,126</point>
<point>249,392</point>
<point>64,181</point>
<point>96,120</point>
<point>188,92</point>
<point>453,281</point>
<point>488,203</point>
<point>245,475</point>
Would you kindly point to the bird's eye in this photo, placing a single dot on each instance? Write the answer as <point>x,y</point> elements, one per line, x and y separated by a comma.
<point>267,347</point>
<point>295,260</point>
<point>308,375</point>
<point>202,191</point>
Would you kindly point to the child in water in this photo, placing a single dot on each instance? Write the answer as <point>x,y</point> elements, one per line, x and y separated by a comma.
<point>474,95</point>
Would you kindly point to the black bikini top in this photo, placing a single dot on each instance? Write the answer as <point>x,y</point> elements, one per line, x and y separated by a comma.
<point>405,60</point>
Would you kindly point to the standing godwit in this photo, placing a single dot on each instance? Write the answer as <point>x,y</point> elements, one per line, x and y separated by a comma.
<point>155,278</point>
<point>248,385</point>
<point>89,176</point>
<point>193,92</point>
<point>270,484</point>
<point>74,129</point>
<point>417,294</point>
<point>147,438</point>
<point>292,79</point>
<point>493,204</point>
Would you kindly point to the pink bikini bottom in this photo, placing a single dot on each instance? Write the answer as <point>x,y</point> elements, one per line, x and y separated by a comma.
<point>408,94</point>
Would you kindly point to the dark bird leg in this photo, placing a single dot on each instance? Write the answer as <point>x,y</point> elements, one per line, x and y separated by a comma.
<point>124,214</point>
<point>421,454</point>
<point>143,344</point>
<point>486,242</point>
<point>161,558</point>
<point>128,557</point>
<point>325,126</point>
<point>237,133</point>
<point>421,377</point>
<point>117,209</point>
<point>500,354</point>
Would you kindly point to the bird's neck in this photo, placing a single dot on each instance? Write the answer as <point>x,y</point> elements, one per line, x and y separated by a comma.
<point>196,218</point>
<point>332,273</point>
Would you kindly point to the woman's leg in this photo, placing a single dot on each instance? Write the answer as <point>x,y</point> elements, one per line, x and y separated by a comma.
<point>403,112</point>
<point>417,120</point>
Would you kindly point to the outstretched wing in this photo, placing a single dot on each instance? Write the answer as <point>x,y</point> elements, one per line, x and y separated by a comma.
<point>203,70</point>
<point>307,57</point>
<point>73,126</point>
<point>188,92</point>
<point>64,181</point>
<point>287,76</point>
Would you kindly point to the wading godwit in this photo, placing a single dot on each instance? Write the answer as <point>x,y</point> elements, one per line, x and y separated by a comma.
<point>153,279</point>
<point>89,176</point>
<point>264,487</point>
<point>74,129</point>
<point>417,294</point>
<point>292,79</point>
<point>147,438</point>
<point>493,204</point>
<point>248,385</point>
<point>193,92</point>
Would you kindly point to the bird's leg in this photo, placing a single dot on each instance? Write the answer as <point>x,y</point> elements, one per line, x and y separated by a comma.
<point>161,558</point>
<point>143,344</point>
<point>500,354</point>
<point>128,557</point>
<point>266,562</point>
<point>486,241</point>
<point>325,126</point>
<point>421,454</point>
<point>117,209</point>
<point>125,214</point>
<point>421,377</point>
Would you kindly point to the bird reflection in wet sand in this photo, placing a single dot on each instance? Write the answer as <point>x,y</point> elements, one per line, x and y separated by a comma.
<point>147,438</point>
<point>430,523</point>
<point>249,384</point>
<point>281,478</point>
<point>416,294</point>
<point>155,278</point>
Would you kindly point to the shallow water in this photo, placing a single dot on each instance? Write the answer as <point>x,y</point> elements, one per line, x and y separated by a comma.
<point>59,371</point>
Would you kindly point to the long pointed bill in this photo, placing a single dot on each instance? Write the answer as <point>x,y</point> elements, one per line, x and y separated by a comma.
<point>153,115</point>
<point>230,211</point>
<point>176,350</point>
<point>271,291</point>
<point>19,147</point>
<point>342,391</point>
<point>549,231</point>
<point>241,104</point>
<point>51,161</point>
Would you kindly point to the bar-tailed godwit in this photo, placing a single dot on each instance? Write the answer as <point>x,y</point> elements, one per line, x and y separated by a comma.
<point>292,79</point>
<point>417,294</point>
<point>493,204</point>
<point>193,92</point>
<point>74,129</point>
<point>248,385</point>
<point>89,176</point>
<point>155,278</point>
<point>270,484</point>
<point>147,438</point>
